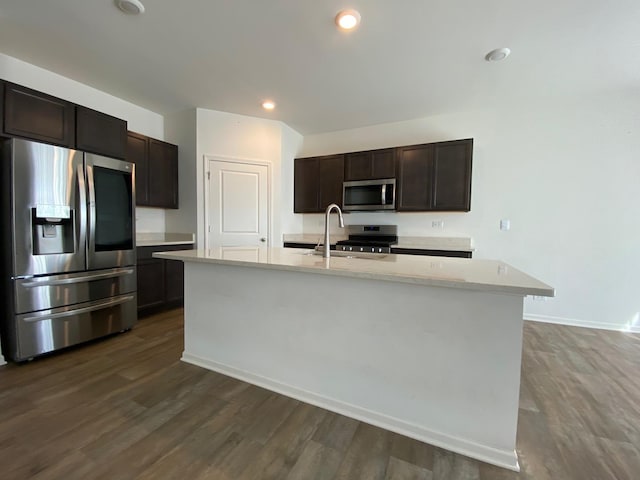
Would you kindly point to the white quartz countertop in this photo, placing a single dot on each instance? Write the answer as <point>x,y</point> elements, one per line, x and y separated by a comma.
<point>162,238</point>
<point>462,244</point>
<point>465,273</point>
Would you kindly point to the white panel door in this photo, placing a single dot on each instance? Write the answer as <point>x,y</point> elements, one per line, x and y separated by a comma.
<point>238,204</point>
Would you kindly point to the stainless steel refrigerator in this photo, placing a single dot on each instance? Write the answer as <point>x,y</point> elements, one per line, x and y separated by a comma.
<point>67,248</point>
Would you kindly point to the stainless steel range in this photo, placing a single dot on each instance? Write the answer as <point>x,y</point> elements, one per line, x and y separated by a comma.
<point>369,239</point>
<point>67,248</point>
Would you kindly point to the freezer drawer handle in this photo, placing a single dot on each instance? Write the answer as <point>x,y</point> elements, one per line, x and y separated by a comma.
<point>78,311</point>
<point>84,278</point>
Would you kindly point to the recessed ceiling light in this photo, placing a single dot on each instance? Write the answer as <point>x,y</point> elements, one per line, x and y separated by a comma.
<point>348,19</point>
<point>497,54</point>
<point>133,7</point>
<point>268,105</point>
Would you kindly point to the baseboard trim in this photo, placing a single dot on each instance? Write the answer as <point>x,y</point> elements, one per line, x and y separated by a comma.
<point>502,458</point>
<point>580,323</point>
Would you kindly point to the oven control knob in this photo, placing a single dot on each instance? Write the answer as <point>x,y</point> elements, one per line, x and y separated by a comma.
<point>380,250</point>
<point>361,249</point>
<point>350,249</point>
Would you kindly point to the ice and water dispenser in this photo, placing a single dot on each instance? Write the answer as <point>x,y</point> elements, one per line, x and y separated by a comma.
<point>52,229</point>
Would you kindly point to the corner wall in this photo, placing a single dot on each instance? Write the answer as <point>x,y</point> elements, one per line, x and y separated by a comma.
<point>241,137</point>
<point>566,175</point>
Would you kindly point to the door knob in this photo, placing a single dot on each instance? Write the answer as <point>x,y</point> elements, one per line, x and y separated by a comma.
<point>263,239</point>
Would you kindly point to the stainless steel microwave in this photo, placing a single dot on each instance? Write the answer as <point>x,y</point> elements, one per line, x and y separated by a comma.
<point>369,195</point>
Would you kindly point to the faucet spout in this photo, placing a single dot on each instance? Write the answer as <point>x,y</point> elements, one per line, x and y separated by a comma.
<point>327,242</point>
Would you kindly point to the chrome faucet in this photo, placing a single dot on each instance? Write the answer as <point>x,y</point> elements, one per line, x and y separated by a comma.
<point>327,243</point>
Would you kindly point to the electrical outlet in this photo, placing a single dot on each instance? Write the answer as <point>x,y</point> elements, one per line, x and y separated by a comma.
<point>505,224</point>
<point>437,224</point>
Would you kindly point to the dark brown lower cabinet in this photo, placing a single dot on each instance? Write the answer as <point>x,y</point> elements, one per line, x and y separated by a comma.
<point>160,282</point>
<point>174,281</point>
<point>398,251</point>
<point>149,272</point>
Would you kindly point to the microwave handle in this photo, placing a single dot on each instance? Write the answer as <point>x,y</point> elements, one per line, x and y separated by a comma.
<point>383,194</point>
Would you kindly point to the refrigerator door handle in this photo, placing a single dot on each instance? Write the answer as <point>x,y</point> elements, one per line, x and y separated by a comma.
<point>77,311</point>
<point>81,279</point>
<point>82,209</point>
<point>91,212</point>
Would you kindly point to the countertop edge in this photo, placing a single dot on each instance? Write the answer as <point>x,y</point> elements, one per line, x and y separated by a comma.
<point>412,280</point>
<point>159,243</point>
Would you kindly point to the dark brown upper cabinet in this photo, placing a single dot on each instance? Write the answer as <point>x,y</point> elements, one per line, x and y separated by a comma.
<point>138,153</point>
<point>415,178</point>
<point>156,170</point>
<point>452,175</point>
<point>1,107</point>
<point>317,183</point>
<point>163,174</point>
<point>38,116</point>
<point>305,186</point>
<point>435,176</point>
<point>370,165</point>
<point>97,132</point>
<point>331,176</point>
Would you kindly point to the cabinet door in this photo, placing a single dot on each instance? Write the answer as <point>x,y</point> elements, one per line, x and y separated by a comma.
<point>357,166</point>
<point>383,163</point>
<point>305,185</point>
<point>331,175</point>
<point>163,174</point>
<point>150,283</point>
<point>97,132</point>
<point>174,281</point>
<point>37,116</point>
<point>452,175</point>
<point>138,153</point>
<point>370,165</point>
<point>415,178</point>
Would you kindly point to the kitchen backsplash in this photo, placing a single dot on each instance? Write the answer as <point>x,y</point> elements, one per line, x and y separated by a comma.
<point>149,220</point>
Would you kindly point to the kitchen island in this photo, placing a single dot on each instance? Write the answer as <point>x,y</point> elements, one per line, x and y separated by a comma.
<point>429,347</point>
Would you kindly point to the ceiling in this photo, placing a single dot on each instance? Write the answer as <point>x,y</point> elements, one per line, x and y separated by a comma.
<point>408,59</point>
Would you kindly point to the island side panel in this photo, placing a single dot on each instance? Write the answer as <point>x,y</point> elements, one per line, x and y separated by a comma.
<point>438,364</point>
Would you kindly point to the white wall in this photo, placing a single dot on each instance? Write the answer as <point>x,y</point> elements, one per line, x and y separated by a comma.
<point>291,145</point>
<point>139,119</point>
<point>566,175</point>
<point>229,135</point>
<point>180,129</point>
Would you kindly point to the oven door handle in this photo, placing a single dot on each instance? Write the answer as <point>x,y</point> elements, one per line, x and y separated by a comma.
<point>77,311</point>
<point>84,278</point>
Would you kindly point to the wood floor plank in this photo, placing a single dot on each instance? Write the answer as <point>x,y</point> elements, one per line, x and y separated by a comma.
<point>279,455</point>
<point>316,462</point>
<point>367,456</point>
<point>126,407</point>
<point>412,451</point>
<point>400,470</point>
<point>448,465</point>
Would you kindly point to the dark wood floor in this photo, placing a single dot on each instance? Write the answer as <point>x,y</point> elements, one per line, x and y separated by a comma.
<point>127,407</point>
